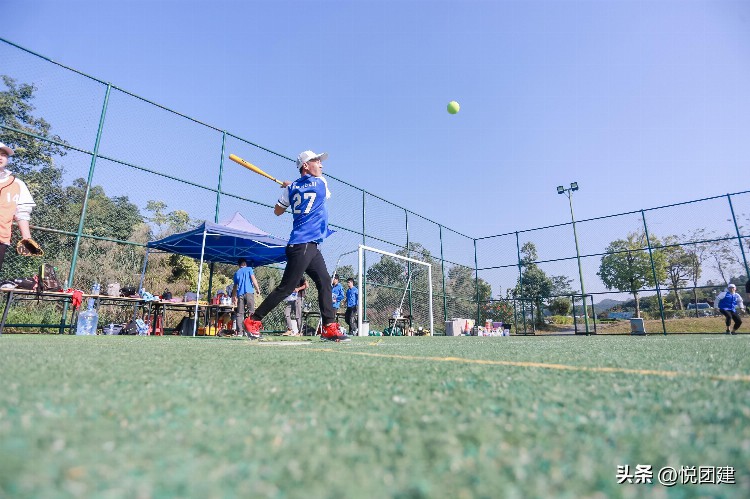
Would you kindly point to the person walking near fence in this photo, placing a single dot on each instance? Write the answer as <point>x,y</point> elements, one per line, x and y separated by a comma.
<point>243,294</point>
<point>307,197</point>
<point>294,327</point>
<point>15,203</point>
<point>337,293</point>
<point>352,298</point>
<point>729,302</point>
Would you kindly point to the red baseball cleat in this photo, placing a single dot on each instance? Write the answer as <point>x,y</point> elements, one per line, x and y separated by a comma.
<point>252,327</point>
<point>331,332</point>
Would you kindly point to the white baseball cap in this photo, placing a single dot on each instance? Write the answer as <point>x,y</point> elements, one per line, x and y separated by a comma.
<point>732,286</point>
<point>306,156</point>
<point>6,149</point>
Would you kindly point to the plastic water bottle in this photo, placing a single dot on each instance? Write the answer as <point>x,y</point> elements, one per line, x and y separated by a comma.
<point>87,320</point>
<point>96,288</point>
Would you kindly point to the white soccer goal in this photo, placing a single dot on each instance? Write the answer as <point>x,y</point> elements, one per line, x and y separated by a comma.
<point>395,291</point>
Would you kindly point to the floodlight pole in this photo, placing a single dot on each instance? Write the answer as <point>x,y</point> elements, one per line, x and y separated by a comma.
<point>569,192</point>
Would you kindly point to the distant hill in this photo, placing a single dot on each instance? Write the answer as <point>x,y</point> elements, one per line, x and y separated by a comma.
<point>606,304</point>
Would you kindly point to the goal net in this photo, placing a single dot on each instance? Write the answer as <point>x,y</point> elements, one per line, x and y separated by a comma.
<point>395,292</point>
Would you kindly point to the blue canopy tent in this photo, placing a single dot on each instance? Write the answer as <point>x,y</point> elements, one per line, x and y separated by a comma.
<point>223,242</point>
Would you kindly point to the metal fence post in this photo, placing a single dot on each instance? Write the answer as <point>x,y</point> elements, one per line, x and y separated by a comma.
<point>221,174</point>
<point>653,270</point>
<point>476,281</point>
<point>739,238</point>
<point>408,263</point>
<point>593,311</point>
<point>95,154</point>
<point>520,285</point>
<point>79,233</point>
<point>216,212</point>
<point>362,284</point>
<point>442,273</point>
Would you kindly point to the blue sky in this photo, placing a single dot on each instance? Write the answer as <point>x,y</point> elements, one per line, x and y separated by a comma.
<point>643,103</point>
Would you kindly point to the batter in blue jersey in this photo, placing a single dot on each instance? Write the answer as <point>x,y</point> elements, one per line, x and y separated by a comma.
<point>306,197</point>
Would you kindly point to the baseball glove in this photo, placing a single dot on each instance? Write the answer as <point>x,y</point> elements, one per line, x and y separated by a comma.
<point>29,247</point>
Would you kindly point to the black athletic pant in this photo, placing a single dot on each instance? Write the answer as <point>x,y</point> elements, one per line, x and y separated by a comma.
<point>351,318</point>
<point>302,259</point>
<point>729,316</point>
<point>245,307</point>
<point>3,247</point>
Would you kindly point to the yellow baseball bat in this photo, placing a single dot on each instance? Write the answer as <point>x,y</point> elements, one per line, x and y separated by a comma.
<point>254,168</point>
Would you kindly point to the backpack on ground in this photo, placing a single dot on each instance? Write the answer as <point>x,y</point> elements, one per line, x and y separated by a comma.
<point>130,328</point>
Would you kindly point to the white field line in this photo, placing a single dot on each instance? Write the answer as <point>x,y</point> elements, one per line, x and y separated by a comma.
<point>542,365</point>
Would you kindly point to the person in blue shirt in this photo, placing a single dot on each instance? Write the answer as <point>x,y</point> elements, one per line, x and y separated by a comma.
<point>728,302</point>
<point>306,197</point>
<point>243,294</point>
<point>337,293</point>
<point>352,298</point>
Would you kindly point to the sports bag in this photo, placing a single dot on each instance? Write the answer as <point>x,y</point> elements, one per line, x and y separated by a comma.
<point>24,283</point>
<point>48,278</point>
<point>130,328</point>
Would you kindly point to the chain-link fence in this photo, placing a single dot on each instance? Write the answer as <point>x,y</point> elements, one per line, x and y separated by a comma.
<point>111,171</point>
<point>665,264</point>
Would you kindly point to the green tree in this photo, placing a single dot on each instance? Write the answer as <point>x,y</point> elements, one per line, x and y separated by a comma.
<point>534,283</point>
<point>679,266</point>
<point>561,285</point>
<point>179,273</point>
<point>697,253</point>
<point>345,272</point>
<point>387,285</point>
<point>111,217</point>
<point>559,303</point>
<point>387,278</point>
<point>108,217</point>
<point>627,265</point>
<point>167,223</point>
<point>463,290</point>
<point>724,257</point>
<point>58,206</point>
<point>559,306</point>
<point>33,161</point>
<point>497,310</point>
<point>16,111</point>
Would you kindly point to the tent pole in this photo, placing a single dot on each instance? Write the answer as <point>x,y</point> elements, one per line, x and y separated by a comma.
<point>143,270</point>
<point>200,277</point>
<point>143,279</point>
<point>210,282</point>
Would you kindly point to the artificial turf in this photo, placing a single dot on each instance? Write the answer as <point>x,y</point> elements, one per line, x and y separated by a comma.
<point>111,416</point>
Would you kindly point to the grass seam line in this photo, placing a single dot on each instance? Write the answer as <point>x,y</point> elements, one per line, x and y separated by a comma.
<point>542,365</point>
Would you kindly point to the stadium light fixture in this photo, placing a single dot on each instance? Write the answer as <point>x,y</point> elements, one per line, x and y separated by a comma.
<point>568,192</point>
